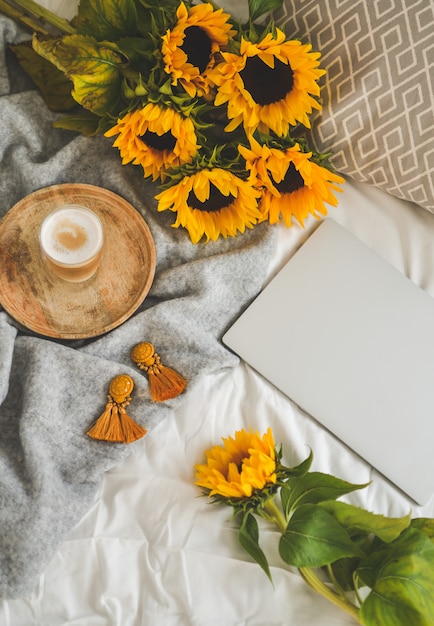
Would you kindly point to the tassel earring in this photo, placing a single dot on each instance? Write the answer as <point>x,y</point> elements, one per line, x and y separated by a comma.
<point>164,382</point>
<point>114,424</point>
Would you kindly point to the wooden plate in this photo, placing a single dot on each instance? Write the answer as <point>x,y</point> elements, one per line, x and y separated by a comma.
<point>54,308</point>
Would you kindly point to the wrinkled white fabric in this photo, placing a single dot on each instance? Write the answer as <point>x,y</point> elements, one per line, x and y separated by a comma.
<point>153,551</point>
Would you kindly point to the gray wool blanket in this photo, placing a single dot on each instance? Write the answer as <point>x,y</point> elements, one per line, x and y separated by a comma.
<point>52,391</point>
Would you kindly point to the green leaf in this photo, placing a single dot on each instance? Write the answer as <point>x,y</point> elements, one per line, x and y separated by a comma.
<point>94,69</point>
<point>84,122</point>
<point>111,19</point>
<point>425,525</point>
<point>288,472</point>
<point>302,468</point>
<point>314,538</point>
<point>257,8</point>
<point>315,487</point>
<point>356,519</point>
<point>55,88</point>
<point>248,537</point>
<point>343,569</point>
<point>153,17</point>
<point>135,49</point>
<point>401,578</point>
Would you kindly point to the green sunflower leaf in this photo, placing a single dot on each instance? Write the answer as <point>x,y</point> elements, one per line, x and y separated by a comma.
<point>136,49</point>
<point>111,19</point>
<point>248,536</point>
<point>315,487</point>
<point>55,88</point>
<point>400,576</point>
<point>155,18</point>
<point>314,538</point>
<point>287,472</point>
<point>425,525</point>
<point>356,519</point>
<point>298,470</point>
<point>94,69</point>
<point>343,569</point>
<point>83,122</point>
<point>257,8</point>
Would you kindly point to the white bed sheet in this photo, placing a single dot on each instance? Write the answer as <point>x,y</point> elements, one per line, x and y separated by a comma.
<point>153,552</point>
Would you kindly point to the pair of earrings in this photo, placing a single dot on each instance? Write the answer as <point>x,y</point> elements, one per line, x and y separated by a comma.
<point>114,424</point>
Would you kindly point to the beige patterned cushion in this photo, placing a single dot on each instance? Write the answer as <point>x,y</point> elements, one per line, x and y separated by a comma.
<point>378,94</point>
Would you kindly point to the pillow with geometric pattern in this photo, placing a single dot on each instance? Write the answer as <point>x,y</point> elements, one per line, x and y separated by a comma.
<point>378,93</point>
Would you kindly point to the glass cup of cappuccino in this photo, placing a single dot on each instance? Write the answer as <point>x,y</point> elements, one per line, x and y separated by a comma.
<point>72,240</point>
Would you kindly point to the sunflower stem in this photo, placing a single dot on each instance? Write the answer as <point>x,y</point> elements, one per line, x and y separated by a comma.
<point>315,583</point>
<point>19,17</point>
<point>356,588</point>
<point>274,514</point>
<point>31,14</point>
<point>338,588</point>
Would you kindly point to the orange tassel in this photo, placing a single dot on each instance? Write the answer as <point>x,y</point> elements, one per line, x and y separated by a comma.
<point>114,424</point>
<point>164,382</point>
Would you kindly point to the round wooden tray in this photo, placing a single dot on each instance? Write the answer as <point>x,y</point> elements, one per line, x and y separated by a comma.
<point>55,308</point>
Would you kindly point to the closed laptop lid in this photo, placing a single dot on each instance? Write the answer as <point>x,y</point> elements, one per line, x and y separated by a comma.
<point>350,339</point>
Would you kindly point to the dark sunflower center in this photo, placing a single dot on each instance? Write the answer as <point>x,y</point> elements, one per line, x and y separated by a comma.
<point>166,141</point>
<point>265,84</point>
<point>215,202</point>
<point>293,180</point>
<point>239,462</point>
<point>197,47</point>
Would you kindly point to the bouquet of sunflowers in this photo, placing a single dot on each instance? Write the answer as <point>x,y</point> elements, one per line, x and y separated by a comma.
<point>213,110</point>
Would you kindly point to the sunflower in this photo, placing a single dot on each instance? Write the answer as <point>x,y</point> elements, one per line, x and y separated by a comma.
<point>155,137</point>
<point>269,85</point>
<point>189,49</point>
<point>293,184</point>
<point>210,203</point>
<point>244,464</point>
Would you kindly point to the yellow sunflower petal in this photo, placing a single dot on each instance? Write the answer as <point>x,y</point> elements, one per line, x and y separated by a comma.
<point>249,465</point>
<point>190,48</point>
<point>270,85</point>
<point>155,137</point>
<point>212,203</point>
<point>300,187</point>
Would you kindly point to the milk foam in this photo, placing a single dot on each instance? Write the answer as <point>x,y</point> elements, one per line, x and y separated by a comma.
<point>71,235</point>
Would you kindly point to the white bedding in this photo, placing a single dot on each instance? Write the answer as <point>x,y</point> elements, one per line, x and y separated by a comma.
<point>153,552</point>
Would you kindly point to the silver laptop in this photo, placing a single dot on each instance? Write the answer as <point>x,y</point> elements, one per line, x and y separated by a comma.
<point>350,340</point>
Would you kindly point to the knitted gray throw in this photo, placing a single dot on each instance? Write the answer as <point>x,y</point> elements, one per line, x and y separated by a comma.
<point>52,391</point>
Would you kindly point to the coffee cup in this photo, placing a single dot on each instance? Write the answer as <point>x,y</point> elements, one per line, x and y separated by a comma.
<point>71,240</point>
